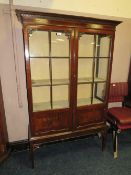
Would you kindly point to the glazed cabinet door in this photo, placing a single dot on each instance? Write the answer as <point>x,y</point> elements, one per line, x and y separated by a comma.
<point>93,67</point>
<point>49,67</point>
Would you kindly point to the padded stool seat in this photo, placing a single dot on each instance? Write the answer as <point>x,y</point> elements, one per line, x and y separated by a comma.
<point>120,116</point>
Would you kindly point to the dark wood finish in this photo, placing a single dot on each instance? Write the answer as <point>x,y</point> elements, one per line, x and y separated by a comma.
<point>50,121</point>
<point>27,17</point>
<point>72,122</point>
<point>92,114</point>
<point>3,129</point>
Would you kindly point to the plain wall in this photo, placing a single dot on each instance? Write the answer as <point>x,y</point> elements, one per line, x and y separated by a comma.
<point>4,1</point>
<point>122,52</point>
<point>117,8</point>
<point>16,114</point>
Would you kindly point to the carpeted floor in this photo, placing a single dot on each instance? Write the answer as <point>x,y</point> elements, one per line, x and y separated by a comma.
<point>78,157</point>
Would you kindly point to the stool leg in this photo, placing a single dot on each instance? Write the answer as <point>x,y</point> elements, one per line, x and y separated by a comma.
<point>115,143</point>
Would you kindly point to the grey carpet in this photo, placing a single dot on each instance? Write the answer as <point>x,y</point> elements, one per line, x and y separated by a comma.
<point>77,157</point>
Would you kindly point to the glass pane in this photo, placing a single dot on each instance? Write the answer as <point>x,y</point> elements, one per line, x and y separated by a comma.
<point>104,46</point>
<point>60,71</point>
<point>41,98</point>
<point>38,43</point>
<point>101,67</point>
<point>59,44</point>
<point>99,93</point>
<point>39,71</point>
<point>60,96</point>
<point>85,70</point>
<point>86,45</point>
<point>83,94</point>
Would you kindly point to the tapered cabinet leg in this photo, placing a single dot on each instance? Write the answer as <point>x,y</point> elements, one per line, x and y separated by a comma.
<point>31,149</point>
<point>115,144</point>
<point>104,138</point>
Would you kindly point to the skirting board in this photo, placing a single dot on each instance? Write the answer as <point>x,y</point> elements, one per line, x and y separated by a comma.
<point>18,145</point>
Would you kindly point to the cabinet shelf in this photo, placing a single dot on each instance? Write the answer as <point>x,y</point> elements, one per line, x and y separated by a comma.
<point>83,101</point>
<point>48,57</point>
<point>63,104</point>
<point>96,79</point>
<point>90,80</point>
<point>60,104</point>
<point>47,82</point>
<point>53,57</point>
<point>93,57</point>
<point>47,105</point>
<point>87,101</point>
<point>41,106</point>
<point>42,82</point>
<point>97,101</point>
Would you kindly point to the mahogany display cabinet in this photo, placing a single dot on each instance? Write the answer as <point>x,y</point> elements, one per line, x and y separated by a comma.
<point>68,63</point>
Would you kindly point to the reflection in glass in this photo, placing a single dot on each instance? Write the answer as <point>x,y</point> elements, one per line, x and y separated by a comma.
<point>104,46</point>
<point>59,44</point>
<point>99,93</point>
<point>41,98</point>
<point>101,66</point>
<point>86,45</point>
<point>38,43</point>
<point>60,96</point>
<point>83,94</point>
